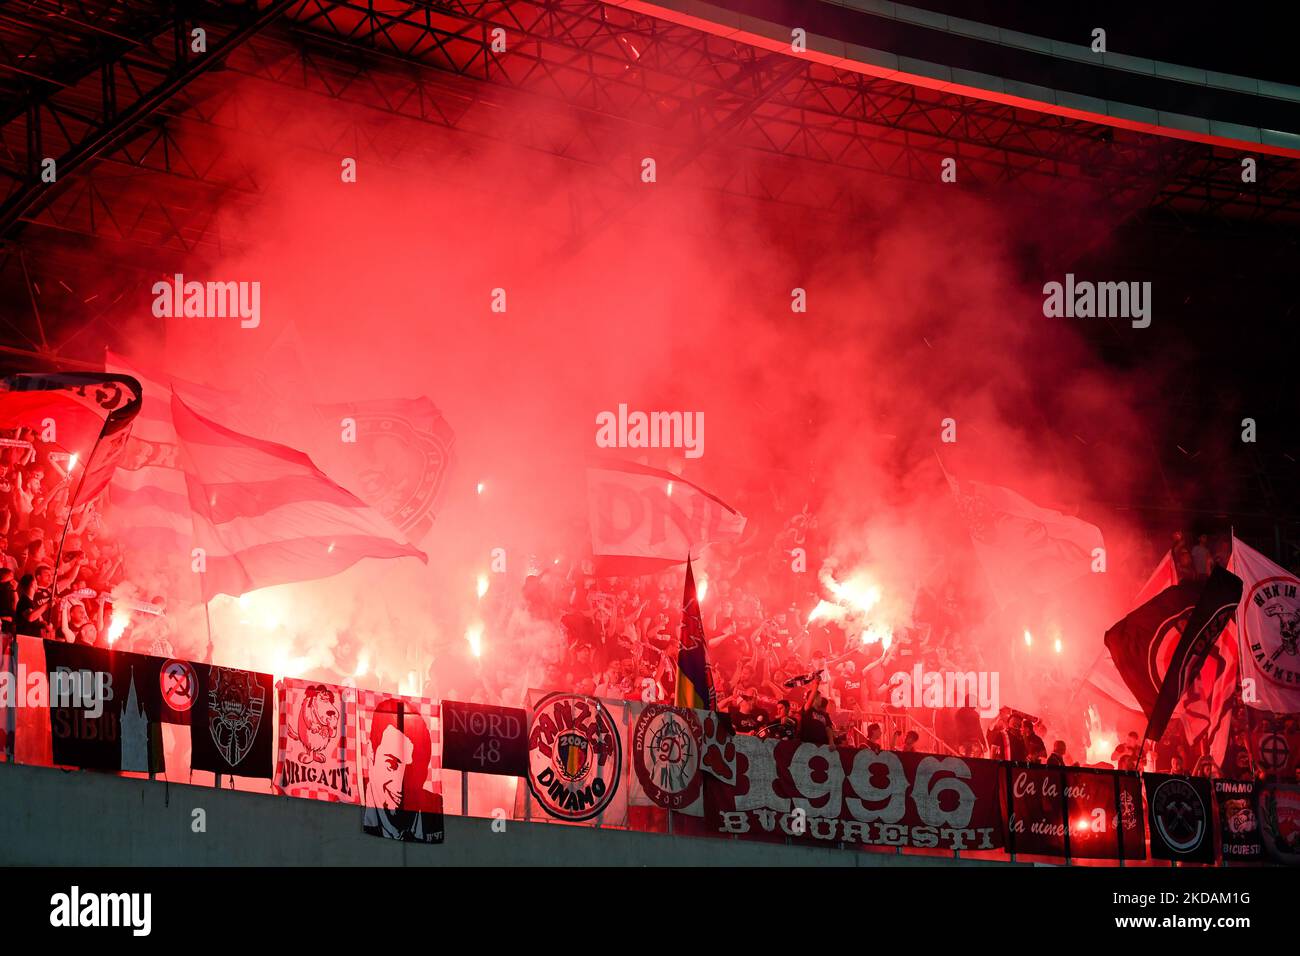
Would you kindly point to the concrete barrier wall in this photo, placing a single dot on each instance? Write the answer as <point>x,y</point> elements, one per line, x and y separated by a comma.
<point>60,818</point>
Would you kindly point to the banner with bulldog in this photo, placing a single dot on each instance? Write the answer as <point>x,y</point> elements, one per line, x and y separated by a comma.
<point>318,744</point>
<point>812,793</point>
<point>1239,839</point>
<point>231,729</point>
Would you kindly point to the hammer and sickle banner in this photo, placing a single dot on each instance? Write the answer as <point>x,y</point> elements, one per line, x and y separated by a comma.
<point>86,408</point>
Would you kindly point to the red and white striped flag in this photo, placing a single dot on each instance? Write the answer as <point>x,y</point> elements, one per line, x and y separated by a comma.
<point>148,491</point>
<point>265,515</point>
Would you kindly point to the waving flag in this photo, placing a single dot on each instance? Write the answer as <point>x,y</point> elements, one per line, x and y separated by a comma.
<point>643,519</point>
<point>1022,547</point>
<point>694,685</point>
<point>265,515</point>
<point>1161,647</point>
<point>148,488</point>
<point>1268,625</point>
<point>1104,676</point>
<point>88,408</point>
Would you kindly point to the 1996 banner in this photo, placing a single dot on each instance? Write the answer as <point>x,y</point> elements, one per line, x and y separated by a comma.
<point>820,794</point>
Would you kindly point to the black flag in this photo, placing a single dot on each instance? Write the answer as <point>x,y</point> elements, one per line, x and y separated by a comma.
<point>231,730</point>
<point>1159,648</point>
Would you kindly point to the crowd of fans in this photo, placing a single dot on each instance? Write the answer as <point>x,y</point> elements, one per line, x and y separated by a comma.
<point>777,670</point>
<point>37,484</point>
<point>776,673</point>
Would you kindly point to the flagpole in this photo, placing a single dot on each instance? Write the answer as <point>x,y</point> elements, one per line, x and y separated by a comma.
<point>76,496</point>
<point>207,619</point>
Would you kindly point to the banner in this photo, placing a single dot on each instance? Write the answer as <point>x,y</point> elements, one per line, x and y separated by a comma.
<point>482,738</point>
<point>1179,810</point>
<point>168,687</point>
<point>1104,812</point>
<point>1239,838</point>
<point>231,731</point>
<point>85,710</point>
<point>576,769</point>
<point>820,794</point>
<point>1082,814</point>
<point>1279,822</point>
<point>401,767</point>
<point>82,404</point>
<point>1021,546</point>
<point>399,460</point>
<point>1160,648</point>
<point>1274,750</point>
<point>665,748</point>
<point>643,519</point>
<point>318,742</point>
<point>1268,628</point>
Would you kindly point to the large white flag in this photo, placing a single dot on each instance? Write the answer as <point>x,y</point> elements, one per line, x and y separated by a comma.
<point>264,514</point>
<point>1268,629</point>
<point>644,518</point>
<point>1023,548</point>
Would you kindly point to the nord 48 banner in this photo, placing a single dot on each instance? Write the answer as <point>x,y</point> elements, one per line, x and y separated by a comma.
<point>318,744</point>
<point>819,794</point>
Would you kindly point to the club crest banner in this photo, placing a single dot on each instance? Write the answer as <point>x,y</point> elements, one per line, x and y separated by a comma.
<point>1239,838</point>
<point>318,752</point>
<point>577,771</point>
<point>231,730</point>
<point>1179,808</point>
<point>665,749</point>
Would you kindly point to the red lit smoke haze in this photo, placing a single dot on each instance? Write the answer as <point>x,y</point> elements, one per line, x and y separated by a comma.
<point>923,305</point>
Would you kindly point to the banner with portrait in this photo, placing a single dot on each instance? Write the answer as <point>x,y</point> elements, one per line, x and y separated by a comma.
<point>400,744</point>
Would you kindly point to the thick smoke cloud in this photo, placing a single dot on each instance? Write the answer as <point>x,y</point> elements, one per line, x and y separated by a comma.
<point>923,305</point>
